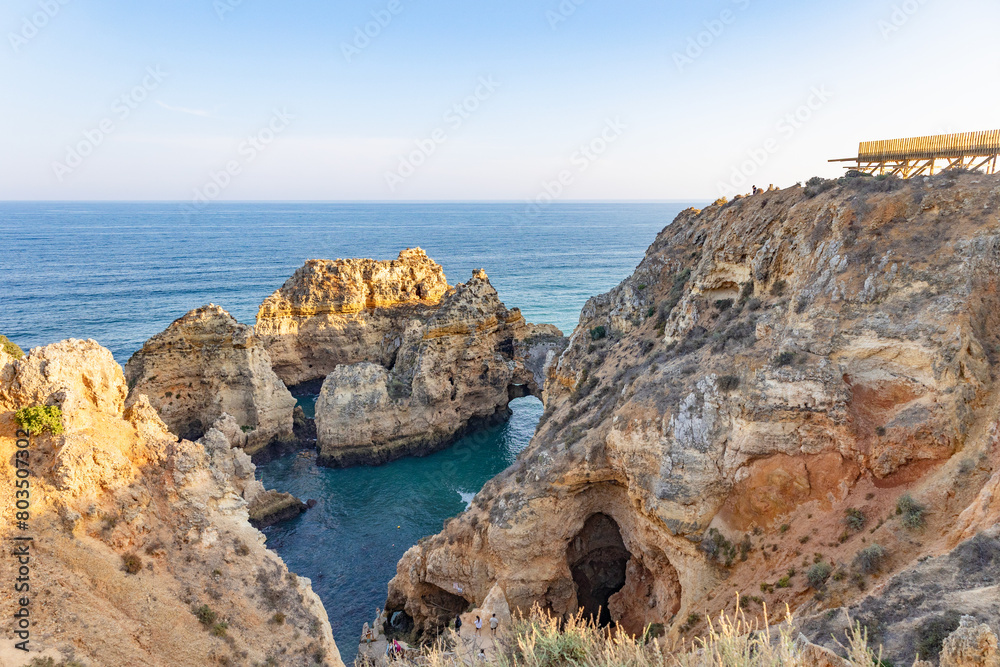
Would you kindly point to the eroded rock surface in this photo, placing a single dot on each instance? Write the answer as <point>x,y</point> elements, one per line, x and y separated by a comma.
<point>141,531</point>
<point>206,364</point>
<point>346,311</point>
<point>455,370</point>
<point>754,400</point>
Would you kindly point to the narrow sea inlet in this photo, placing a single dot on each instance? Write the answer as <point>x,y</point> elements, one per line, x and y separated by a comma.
<point>122,272</point>
<point>366,518</point>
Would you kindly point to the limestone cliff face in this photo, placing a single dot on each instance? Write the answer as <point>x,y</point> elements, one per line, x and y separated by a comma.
<point>140,531</point>
<point>771,364</point>
<point>456,370</point>
<point>345,311</point>
<point>206,364</point>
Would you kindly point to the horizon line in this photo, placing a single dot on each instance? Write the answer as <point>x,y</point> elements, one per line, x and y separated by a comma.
<point>353,201</point>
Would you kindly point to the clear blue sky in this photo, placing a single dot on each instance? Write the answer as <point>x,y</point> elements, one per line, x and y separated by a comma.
<point>673,127</point>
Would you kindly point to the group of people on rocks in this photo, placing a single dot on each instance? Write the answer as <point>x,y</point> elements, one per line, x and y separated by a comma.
<point>494,624</point>
<point>395,651</point>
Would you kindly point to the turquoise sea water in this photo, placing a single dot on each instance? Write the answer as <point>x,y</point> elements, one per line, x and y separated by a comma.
<point>121,272</point>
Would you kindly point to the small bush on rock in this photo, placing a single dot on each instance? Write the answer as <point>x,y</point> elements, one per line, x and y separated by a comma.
<point>911,512</point>
<point>818,574</point>
<point>854,518</point>
<point>132,563</point>
<point>206,616</point>
<point>39,419</point>
<point>869,560</point>
<point>11,348</point>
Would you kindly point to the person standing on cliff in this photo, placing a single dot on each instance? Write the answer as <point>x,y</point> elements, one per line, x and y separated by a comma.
<point>479,627</point>
<point>494,623</point>
<point>458,625</point>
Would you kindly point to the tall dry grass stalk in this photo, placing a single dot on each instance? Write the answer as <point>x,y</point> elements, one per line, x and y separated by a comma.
<point>541,640</point>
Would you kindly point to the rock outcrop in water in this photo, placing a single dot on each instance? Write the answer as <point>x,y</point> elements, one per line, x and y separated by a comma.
<point>143,554</point>
<point>455,370</point>
<point>206,364</point>
<point>346,311</point>
<point>785,381</point>
<point>407,363</point>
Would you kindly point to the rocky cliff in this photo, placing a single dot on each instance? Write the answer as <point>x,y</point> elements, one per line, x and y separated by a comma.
<point>206,364</point>
<point>142,553</point>
<point>786,381</point>
<point>455,370</point>
<point>346,311</point>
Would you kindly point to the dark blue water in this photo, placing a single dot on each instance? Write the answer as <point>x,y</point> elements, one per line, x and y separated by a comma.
<point>121,272</point>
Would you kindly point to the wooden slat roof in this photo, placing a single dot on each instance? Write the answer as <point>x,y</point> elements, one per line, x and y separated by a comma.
<point>938,146</point>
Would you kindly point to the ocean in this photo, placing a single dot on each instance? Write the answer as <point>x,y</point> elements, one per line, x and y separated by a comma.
<point>121,272</point>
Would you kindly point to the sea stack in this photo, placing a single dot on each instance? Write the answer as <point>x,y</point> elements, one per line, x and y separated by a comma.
<point>206,364</point>
<point>407,363</point>
<point>346,311</point>
<point>455,371</point>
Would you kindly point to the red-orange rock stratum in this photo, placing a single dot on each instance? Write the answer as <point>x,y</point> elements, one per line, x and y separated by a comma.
<point>755,400</point>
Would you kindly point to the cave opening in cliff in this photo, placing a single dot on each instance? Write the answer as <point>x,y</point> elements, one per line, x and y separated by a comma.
<point>598,561</point>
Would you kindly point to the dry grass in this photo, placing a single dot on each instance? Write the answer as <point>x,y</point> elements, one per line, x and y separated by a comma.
<point>540,640</point>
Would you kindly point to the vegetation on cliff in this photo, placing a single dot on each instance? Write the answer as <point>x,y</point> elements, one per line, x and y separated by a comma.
<point>40,419</point>
<point>792,397</point>
<point>11,348</point>
<point>542,640</point>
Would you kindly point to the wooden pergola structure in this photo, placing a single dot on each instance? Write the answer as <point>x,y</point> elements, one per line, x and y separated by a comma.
<point>919,155</point>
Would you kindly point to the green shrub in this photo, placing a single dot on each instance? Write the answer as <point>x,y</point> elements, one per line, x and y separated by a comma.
<point>723,304</point>
<point>246,428</point>
<point>932,633</point>
<point>278,618</point>
<point>784,359</point>
<point>784,582</point>
<point>219,629</point>
<point>39,419</point>
<point>911,512</point>
<point>597,333</point>
<point>818,574</point>
<point>778,288</point>
<point>653,631</point>
<point>132,563</point>
<point>869,560</point>
<point>854,518</point>
<point>728,383</point>
<point>818,185</point>
<point>206,616</point>
<point>718,548</point>
<point>11,348</point>
<point>676,292</point>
